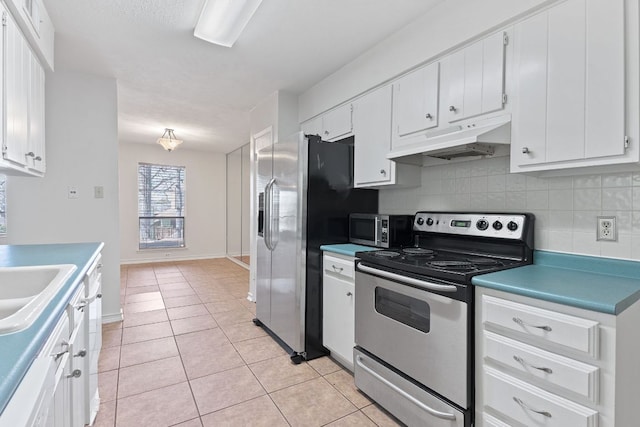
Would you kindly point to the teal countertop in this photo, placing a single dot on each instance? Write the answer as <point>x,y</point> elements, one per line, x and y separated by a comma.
<point>348,249</point>
<point>19,349</point>
<point>599,284</point>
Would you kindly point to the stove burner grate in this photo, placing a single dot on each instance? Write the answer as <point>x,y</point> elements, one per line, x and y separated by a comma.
<point>386,254</point>
<point>418,251</point>
<point>452,265</point>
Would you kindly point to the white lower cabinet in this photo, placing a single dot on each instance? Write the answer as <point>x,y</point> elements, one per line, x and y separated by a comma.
<point>545,364</point>
<point>60,389</point>
<point>338,307</point>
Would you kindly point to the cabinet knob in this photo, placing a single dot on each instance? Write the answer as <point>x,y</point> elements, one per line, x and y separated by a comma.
<point>338,269</point>
<point>38,158</point>
<point>428,116</point>
<point>326,132</point>
<point>383,172</point>
<point>349,294</point>
<point>75,374</point>
<point>30,154</point>
<point>525,150</point>
<point>452,108</point>
<point>81,353</point>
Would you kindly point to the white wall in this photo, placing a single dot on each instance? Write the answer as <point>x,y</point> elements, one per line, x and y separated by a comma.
<point>82,151</point>
<point>205,178</point>
<point>565,208</point>
<point>446,26</point>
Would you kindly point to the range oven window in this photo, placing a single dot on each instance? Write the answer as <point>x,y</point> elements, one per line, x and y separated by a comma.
<point>405,309</point>
<point>363,229</point>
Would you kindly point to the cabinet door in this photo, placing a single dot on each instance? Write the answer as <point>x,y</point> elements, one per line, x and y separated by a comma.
<point>372,124</point>
<point>529,124</point>
<point>17,64</point>
<point>313,126</point>
<point>476,79</point>
<point>36,143</point>
<point>338,320</point>
<point>570,101</point>
<point>415,102</point>
<point>566,81</point>
<point>337,123</point>
<point>80,353</point>
<point>455,99</point>
<point>493,64</point>
<point>605,86</point>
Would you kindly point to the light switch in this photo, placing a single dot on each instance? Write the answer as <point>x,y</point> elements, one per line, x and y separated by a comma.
<point>72,192</point>
<point>98,192</point>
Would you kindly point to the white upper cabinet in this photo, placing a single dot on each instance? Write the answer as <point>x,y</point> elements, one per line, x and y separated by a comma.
<point>569,74</point>
<point>415,102</point>
<point>333,125</point>
<point>476,81</point>
<point>23,106</point>
<point>34,22</point>
<point>372,129</point>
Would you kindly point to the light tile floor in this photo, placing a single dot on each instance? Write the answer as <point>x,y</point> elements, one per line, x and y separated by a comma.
<point>187,354</point>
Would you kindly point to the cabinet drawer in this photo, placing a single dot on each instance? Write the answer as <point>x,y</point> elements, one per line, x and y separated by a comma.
<point>569,331</point>
<point>567,373</point>
<point>531,405</point>
<point>338,266</point>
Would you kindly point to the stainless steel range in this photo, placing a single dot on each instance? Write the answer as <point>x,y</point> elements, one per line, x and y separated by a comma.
<point>414,312</point>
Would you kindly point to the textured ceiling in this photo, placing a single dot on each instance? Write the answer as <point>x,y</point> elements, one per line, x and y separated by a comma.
<point>168,78</point>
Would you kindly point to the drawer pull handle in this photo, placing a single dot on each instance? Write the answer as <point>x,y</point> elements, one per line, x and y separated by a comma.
<point>521,322</point>
<point>524,406</point>
<point>338,269</point>
<point>524,363</point>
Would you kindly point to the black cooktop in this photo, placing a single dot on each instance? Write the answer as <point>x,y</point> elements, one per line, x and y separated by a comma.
<point>457,266</point>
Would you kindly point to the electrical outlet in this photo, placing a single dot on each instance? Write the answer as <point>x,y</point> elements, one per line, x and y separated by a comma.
<point>607,229</point>
<point>72,192</point>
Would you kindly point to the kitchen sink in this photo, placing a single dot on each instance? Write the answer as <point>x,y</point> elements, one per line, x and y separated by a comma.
<point>26,291</point>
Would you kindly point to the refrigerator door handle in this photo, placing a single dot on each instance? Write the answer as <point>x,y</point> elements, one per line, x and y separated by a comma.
<point>268,213</point>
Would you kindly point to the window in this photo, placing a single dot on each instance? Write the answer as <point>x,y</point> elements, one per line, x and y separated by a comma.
<point>3,205</point>
<point>161,206</point>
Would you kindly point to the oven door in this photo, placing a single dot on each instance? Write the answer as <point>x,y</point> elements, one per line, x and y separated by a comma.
<point>420,333</point>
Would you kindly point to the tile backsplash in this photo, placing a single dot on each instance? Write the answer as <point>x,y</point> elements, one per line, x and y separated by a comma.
<point>565,207</point>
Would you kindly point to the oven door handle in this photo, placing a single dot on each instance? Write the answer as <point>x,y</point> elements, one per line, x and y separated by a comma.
<point>434,412</point>
<point>409,280</point>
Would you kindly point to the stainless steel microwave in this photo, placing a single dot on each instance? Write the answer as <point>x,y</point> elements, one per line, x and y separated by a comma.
<point>383,231</point>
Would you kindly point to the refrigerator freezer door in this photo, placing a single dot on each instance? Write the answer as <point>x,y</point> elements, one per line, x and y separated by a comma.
<point>263,254</point>
<point>287,262</point>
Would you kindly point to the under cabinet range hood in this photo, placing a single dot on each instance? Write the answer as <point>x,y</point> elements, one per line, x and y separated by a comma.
<point>477,138</point>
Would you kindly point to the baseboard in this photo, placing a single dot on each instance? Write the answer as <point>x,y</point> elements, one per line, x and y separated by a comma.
<point>241,264</point>
<point>113,318</point>
<point>170,259</point>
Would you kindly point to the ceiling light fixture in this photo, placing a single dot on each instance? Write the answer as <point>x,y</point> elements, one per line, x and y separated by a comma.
<point>168,140</point>
<point>222,21</point>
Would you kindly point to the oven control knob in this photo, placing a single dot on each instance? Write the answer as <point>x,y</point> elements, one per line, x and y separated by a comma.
<point>497,225</point>
<point>482,224</point>
<point>512,226</point>
<point>420,221</point>
<point>429,222</point>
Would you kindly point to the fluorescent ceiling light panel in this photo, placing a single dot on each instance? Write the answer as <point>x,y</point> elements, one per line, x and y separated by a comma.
<point>222,21</point>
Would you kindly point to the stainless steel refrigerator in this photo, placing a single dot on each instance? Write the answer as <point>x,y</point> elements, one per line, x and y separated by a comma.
<point>305,194</point>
